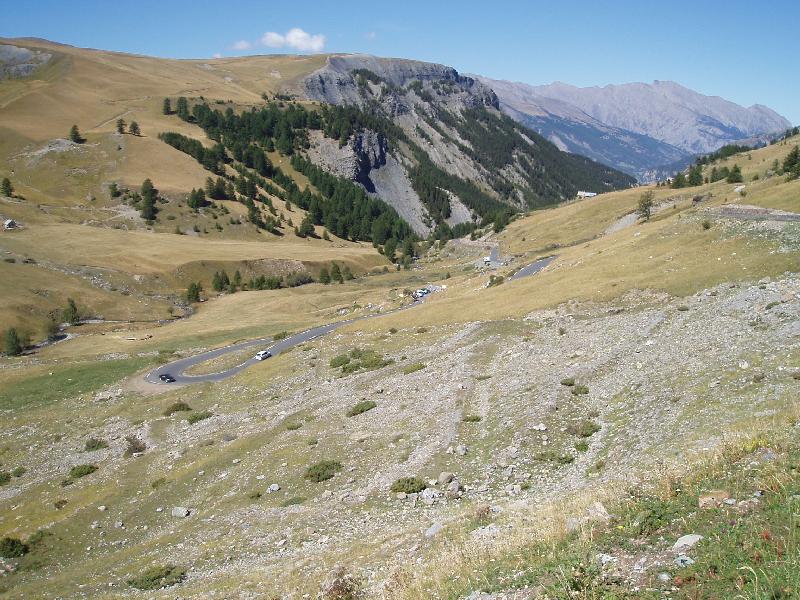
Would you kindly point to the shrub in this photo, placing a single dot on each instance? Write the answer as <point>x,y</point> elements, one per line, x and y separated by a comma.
<point>323,470</point>
<point>18,471</point>
<point>280,335</point>
<point>199,416</point>
<point>135,446</point>
<point>413,368</point>
<point>471,418</point>
<point>176,407</point>
<point>294,500</point>
<point>706,224</point>
<point>157,483</point>
<point>93,444</point>
<point>580,390</point>
<point>294,426</point>
<point>79,471</point>
<point>581,446</point>
<point>5,477</point>
<point>392,330</point>
<point>583,428</point>
<point>562,331</point>
<point>156,578</point>
<point>422,330</point>
<point>409,485</point>
<point>339,361</point>
<point>568,381</point>
<point>683,308</point>
<point>361,407</point>
<point>12,547</point>
<point>553,456</point>
<point>483,377</point>
<point>495,280</point>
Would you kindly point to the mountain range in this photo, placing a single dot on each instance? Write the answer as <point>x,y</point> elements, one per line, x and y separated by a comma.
<point>639,128</point>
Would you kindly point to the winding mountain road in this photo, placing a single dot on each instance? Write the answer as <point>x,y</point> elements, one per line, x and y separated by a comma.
<point>177,368</point>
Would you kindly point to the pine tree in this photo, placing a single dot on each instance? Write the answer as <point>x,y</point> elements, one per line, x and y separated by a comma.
<point>13,345</point>
<point>120,125</point>
<point>324,276</point>
<point>182,108</point>
<point>306,227</point>
<point>75,135</point>
<point>149,196</point>
<point>134,128</point>
<point>336,273</point>
<point>390,248</point>
<point>347,273</point>
<point>735,175</point>
<point>237,279</point>
<point>679,181</point>
<point>695,176</point>
<point>167,109</point>
<point>193,292</point>
<point>71,314</point>
<point>6,188</point>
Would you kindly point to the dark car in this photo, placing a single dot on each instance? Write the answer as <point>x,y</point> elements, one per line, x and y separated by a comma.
<point>166,378</point>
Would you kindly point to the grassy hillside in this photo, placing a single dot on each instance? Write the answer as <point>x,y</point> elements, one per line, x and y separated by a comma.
<point>448,449</point>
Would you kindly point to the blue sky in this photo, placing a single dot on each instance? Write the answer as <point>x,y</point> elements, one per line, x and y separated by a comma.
<point>743,51</point>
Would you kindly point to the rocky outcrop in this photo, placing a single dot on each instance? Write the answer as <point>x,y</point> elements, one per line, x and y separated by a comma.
<point>334,83</point>
<point>16,62</point>
<point>363,152</point>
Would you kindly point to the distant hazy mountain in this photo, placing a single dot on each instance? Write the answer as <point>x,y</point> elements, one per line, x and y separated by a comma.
<point>636,127</point>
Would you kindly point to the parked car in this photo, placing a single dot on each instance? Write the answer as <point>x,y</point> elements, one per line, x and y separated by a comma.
<point>166,378</point>
<point>263,355</point>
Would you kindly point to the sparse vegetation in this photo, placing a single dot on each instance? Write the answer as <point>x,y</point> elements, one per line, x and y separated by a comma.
<point>584,428</point>
<point>413,368</point>
<point>408,485</point>
<point>93,444</point>
<point>135,446</point>
<point>156,578</point>
<point>79,471</point>
<point>579,389</point>
<point>361,407</point>
<point>471,418</point>
<point>199,416</point>
<point>179,406</point>
<point>568,381</point>
<point>323,470</point>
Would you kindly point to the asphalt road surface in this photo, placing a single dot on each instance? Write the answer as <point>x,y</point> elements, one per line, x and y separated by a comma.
<point>177,368</point>
<point>532,268</point>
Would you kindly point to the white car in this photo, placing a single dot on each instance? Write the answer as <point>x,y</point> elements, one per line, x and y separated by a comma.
<point>263,355</point>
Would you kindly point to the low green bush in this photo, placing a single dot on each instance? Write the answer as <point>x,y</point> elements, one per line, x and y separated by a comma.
<point>568,381</point>
<point>293,426</point>
<point>156,578</point>
<point>293,501</point>
<point>79,471</point>
<point>471,418</point>
<point>5,477</point>
<point>19,471</point>
<point>413,368</point>
<point>361,407</point>
<point>323,470</point>
<point>584,428</point>
<point>409,485</point>
<point>280,335</point>
<point>581,446</point>
<point>199,416</point>
<point>12,547</point>
<point>176,407</point>
<point>339,361</point>
<point>93,444</point>
<point>579,389</point>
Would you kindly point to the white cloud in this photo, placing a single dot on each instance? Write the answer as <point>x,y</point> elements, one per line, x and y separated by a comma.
<point>242,45</point>
<point>370,35</point>
<point>296,39</point>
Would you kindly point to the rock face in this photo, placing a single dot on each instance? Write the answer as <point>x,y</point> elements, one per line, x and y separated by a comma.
<point>334,83</point>
<point>18,62</point>
<point>451,120</point>
<point>635,127</point>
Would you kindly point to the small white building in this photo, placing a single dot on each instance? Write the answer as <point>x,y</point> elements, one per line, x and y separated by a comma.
<point>583,194</point>
<point>9,224</point>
